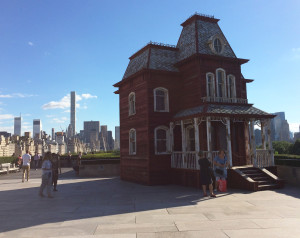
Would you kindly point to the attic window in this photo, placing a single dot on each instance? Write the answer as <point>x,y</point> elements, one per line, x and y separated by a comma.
<point>217,45</point>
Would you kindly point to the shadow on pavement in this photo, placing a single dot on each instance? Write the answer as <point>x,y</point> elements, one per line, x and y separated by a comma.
<point>79,198</point>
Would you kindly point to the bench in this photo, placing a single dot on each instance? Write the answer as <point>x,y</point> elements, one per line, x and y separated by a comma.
<point>7,167</point>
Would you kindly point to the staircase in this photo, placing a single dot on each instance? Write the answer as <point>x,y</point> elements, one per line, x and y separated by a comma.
<point>255,179</point>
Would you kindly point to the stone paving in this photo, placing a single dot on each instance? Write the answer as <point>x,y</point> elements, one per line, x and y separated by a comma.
<point>109,207</point>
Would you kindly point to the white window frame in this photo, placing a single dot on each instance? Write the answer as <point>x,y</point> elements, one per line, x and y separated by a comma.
<point>166,99</point>
<point>187,136</point>
<point>131,110</point>
<point>213,85</point>
<point>130,148</point>
<point>224,83</point>
<point>230,92</point>
<point>165,128</point>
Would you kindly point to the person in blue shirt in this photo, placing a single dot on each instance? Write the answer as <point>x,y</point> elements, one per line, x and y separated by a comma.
<point>220,165</point>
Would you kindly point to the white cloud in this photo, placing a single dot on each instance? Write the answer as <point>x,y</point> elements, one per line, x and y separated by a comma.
<point>87,96</point>
<point>9,129</point>
<point>6,116</point>
<point>16,95</point>
<point>5,96</point>
<point>49,116</point>
<point>294,127</point>
<point>296,53</point>
<point>59,120</point>
<point>30,43</point>
<point>64,103</point>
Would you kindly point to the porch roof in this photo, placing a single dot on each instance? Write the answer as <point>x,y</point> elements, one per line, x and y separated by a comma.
<point>247,111</point>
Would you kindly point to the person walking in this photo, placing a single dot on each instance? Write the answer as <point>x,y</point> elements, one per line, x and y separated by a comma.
<point>46,175</point>
<point>205,175</point>
<point>26,165</point>
<point>36,160</point>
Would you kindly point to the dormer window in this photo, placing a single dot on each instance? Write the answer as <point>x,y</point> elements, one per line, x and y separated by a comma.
<point>161,100</point>
<point>221,83</point>
<point>217,45</point>
<point>131,102</point>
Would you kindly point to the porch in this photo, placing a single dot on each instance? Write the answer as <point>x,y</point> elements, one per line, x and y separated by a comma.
<point>239,145</point>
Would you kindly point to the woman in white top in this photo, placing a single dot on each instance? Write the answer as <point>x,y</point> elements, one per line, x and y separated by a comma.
<point>46,175</point>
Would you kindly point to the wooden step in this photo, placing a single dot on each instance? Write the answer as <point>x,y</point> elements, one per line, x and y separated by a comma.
<point>267,186</point>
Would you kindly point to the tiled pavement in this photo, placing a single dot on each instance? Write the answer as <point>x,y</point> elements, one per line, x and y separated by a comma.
<point>109,207</point>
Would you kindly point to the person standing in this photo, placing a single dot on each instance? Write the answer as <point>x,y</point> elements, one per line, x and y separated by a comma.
<point>205,175</point>
<point>36,160</point>
<point>46,175</point>
<point>55,161</point>
<point>220,166</point>
<point>26,165</point>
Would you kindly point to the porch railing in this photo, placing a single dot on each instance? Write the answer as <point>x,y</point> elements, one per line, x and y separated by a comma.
<point>264,158</point>
<point>225,100</point>
<point>188,160</point>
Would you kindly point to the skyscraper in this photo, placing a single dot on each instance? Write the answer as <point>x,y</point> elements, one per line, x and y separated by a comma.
<point>37,128</point>
<point>53,134</point>
<point>17,126</point>
<point>89,127</point>
<point>73,113</point>
<point>117,138</point>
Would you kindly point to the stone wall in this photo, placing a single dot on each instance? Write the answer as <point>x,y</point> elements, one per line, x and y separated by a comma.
<point>290,174</point>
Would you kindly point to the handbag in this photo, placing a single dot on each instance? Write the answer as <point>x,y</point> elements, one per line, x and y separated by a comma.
<point>220,171</point>
<point>222,185</point>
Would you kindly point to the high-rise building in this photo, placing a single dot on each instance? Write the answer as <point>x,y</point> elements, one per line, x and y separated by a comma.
<point>280,127</point>
<point>117,138</point>
<point>88,127</point>
<point>53,134</point>
<point>103,138</point>
<point>17,126</point>
<point>73,113</point>
<point>37,128</point>
<point>110,140</point>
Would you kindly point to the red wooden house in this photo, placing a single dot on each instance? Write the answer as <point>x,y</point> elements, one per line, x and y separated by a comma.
<point>178,100</point>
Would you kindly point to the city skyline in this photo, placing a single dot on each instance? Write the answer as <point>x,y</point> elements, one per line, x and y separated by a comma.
<point>86,50</point>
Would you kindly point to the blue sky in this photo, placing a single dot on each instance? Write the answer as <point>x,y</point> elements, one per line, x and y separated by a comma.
<point>49,48</point>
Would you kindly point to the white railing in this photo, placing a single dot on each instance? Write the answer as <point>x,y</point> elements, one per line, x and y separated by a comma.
<point>264,158</point>
<point>188,160</point>
<point>225,100</point>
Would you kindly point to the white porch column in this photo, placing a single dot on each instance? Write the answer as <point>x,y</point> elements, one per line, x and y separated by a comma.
<point>208,134</point>
<point>171,137</point>
<point>263,135</point>
<point>228,135</point>
<point>197,143</point>
<point>172,143</point>
<point>270,147</point>
<point>253,145</point>
<point>183,142</point>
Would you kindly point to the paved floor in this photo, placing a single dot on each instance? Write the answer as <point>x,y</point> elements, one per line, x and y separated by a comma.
<point>109,207</point>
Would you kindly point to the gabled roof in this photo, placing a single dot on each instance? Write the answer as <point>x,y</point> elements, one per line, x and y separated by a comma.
<point>229,110</point>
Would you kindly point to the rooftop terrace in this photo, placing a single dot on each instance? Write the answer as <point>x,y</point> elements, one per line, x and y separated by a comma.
<point>109,207</point>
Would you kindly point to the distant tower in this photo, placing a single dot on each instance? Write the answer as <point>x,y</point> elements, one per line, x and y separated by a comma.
<point>73,113</point>
<point>53,134</point>
<point>117,138</point>
<point>17,126</point>
<point>37,128</point>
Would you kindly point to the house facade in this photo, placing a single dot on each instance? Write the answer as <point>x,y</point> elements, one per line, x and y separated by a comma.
<point>178,100</point>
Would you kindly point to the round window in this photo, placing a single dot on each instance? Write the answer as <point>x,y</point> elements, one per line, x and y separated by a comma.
<point>217,45</point>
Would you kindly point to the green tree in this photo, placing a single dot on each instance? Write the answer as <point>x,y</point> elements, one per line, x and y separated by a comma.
<point>295,148</point>
<point>282,147</point>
